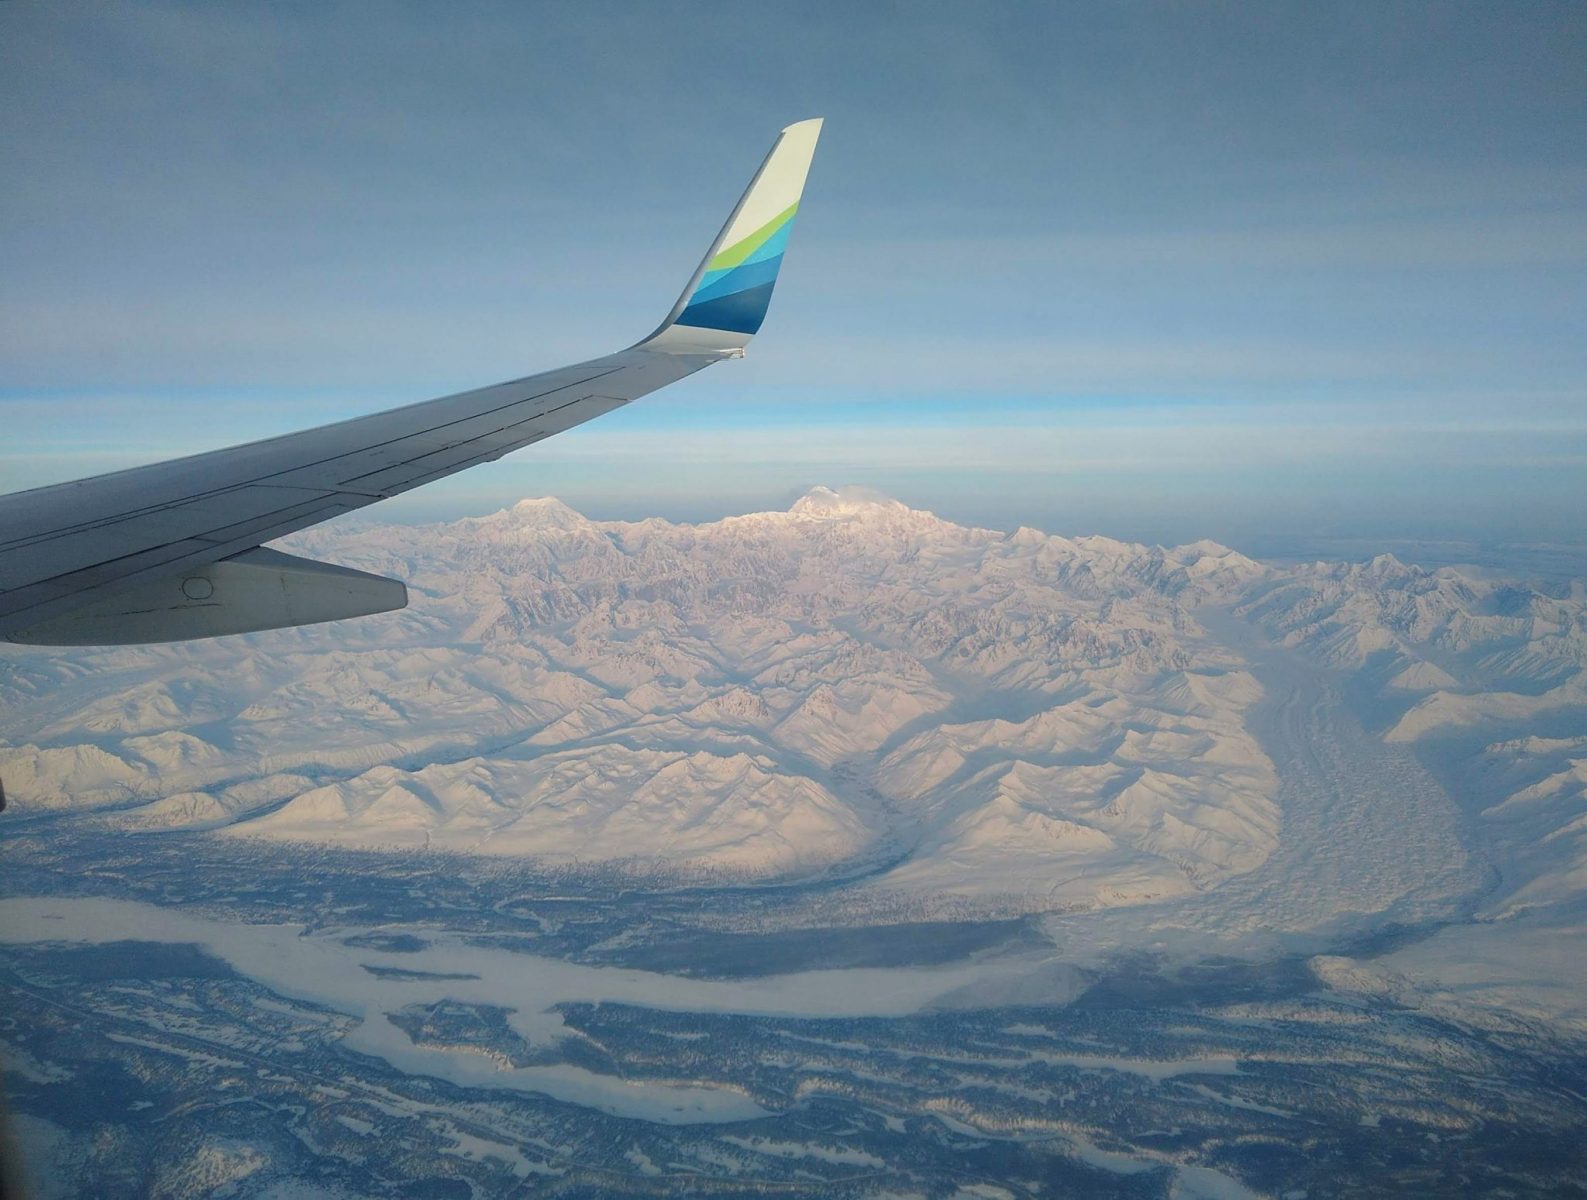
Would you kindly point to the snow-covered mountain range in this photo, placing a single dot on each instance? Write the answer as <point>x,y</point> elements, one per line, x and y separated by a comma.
<point>851,688</point>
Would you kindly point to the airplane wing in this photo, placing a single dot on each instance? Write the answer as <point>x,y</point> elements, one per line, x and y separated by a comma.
<point>172,551</point>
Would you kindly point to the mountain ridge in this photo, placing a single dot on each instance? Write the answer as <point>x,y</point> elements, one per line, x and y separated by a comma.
<point>1019,720</point>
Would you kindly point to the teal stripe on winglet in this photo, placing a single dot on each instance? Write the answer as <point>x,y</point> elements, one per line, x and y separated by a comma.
<point>736,312</point>
<point>738,279</point>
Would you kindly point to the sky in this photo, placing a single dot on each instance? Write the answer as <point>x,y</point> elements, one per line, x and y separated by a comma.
<point>1269,273</point>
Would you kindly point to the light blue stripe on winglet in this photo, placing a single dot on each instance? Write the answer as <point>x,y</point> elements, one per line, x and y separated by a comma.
<point>771,249</point>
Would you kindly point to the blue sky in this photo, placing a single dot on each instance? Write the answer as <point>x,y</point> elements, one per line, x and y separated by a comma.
<point>1266,273</point>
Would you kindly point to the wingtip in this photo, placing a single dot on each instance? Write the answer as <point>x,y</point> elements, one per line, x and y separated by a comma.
<point>726,300</point>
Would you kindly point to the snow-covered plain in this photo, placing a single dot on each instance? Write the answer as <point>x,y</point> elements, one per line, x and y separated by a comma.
<point>320,967</point>
<point>1180,750</point>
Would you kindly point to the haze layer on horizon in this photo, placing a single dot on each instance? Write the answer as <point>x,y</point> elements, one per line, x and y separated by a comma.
<point>1150,271</point>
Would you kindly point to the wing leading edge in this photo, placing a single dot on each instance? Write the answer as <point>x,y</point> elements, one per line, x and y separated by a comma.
<point>172,551</point>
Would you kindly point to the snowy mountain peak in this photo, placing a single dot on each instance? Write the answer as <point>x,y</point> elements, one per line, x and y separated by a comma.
<point>846,502</point>
<point>1385,564</point>
<point>1207,548</point>
<point>543,512</point>
<point>1207,558</point>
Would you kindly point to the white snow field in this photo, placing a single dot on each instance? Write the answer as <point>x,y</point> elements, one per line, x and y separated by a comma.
<point>1180,750</point>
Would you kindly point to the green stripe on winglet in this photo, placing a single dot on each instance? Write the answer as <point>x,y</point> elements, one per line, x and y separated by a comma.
<point>742,249</point>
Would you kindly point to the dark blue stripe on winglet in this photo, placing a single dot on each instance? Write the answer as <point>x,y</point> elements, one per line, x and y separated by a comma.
<point>741,312</point>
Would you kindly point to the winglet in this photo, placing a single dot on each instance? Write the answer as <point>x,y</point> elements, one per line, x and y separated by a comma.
<point>726,300</point>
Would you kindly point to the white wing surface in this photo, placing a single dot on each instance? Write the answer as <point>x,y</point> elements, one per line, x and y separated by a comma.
<point>172,551</point>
